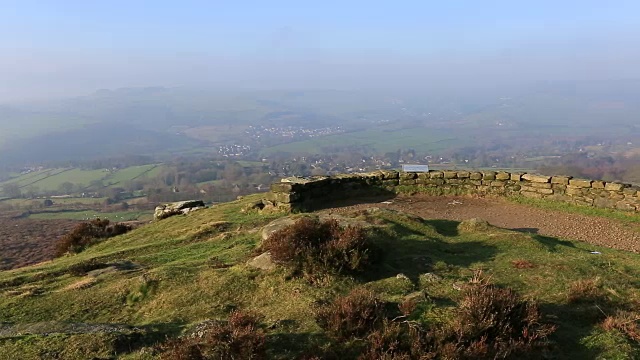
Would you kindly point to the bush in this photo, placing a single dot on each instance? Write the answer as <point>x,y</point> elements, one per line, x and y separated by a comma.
<point>239,338</point>
<point>86,234</point>
<point>310,246</point>
<point>489,323</point>
<point>496,323</point>
<point>356,314</point>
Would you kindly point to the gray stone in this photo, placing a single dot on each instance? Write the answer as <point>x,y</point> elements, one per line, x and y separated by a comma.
<point>262,261</point>
<point>276,225</point>
<point>614,186</point>
<point>564,180</point>
<point>580,183</point>
<point>536,178</point>
<point>182,207</point>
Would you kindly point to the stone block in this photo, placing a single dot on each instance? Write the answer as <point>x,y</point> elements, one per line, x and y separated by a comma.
<point>614,186</point>
<point>632,190</point>
<point>545,191</point>
<point>408,175</point>
<point>516,176</point>
<point>536,178</point>
<point>597,184</point>
<point>624,205</point>
<point>407,182</point>
<point>450,174</point>
<point>498,183</point>
<point>564,180</point>
<point>604,203</point>
<point>503,175</point>
<point>389,174</point>
<point>531,194</point>
<point>583,202</point>
<point>475,182</point>
<point>436,174</point>
<point>581,183</point>
<point>281,187</point>
<point>488,175</point>
<point>572,190</point>
<point>475,176</point>
<point>463,174</point>
<point>541,185</point>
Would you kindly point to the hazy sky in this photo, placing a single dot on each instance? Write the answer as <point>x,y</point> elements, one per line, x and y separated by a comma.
<point>54,48</point>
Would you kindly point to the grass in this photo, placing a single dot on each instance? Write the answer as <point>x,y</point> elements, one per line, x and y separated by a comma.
<point>173,285</point>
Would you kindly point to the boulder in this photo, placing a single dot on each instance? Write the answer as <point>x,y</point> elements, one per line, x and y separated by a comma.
<point>473,225</point>
<point>262,262</point>
<point>182,207</point>
<point>276,225</point>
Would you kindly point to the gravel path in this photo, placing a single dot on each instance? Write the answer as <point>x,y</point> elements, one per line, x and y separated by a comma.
<point>499,212</point>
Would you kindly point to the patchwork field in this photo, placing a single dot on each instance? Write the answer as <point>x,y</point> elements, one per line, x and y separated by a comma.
<point>52,179</point>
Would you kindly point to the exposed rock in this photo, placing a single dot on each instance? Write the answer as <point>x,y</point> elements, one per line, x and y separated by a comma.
<point>430,277</point>
<point>276,225</point>
<point>473,225</point>
<point>182,207</point>
<point>402,277</point>
<point>262,261</point>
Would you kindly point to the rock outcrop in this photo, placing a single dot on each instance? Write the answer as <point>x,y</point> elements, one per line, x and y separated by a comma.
<point>182,207</point>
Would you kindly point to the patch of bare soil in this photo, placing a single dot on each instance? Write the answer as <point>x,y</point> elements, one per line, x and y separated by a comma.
<point>26,241</point>
<point>502,213</point>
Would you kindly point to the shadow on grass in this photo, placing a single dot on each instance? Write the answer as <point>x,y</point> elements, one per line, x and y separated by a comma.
<point>574,323</point>
<point>444,227</point>
<point>413,252</point>
<point>552,243</point>
<point>373,197</point>
<point>288,345</point>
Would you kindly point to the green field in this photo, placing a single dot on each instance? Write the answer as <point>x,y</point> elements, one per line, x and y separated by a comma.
<point>51,179</point>
<point>420,139</point>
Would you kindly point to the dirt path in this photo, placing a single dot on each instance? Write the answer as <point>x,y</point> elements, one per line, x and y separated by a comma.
<point>595,230</point>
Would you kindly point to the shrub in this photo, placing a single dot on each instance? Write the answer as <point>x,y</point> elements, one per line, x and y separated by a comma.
<point>355,314</point>
<point>86,234</point>
<point>494,322</point>
<point>310,246</point>
<point>239,338</point>
<point>489,323</point>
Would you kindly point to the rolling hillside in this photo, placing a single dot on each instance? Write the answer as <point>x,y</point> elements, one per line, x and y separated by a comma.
<point>123,297</point>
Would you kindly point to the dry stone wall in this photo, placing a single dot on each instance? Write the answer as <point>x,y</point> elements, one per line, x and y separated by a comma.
<point>297,193</point>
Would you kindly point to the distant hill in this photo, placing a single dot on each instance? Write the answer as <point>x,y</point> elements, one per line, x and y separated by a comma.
<point>92,141</point>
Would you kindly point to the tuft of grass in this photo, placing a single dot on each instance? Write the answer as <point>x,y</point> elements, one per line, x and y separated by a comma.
<point>585,291</point>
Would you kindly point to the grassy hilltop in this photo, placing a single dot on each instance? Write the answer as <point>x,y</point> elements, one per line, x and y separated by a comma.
<point>124,296</point>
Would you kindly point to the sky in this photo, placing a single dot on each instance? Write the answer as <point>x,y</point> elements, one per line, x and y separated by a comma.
<point>68,47</point>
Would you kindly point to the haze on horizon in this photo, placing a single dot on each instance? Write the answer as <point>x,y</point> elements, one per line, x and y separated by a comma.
<point>61,48</point>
